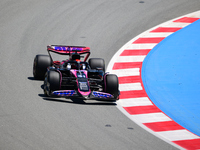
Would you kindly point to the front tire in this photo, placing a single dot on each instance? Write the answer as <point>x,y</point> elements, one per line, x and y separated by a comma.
<point>51,82</point>
<point>112,85</point>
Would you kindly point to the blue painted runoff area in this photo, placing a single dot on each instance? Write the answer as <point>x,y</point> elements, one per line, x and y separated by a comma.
<point>171,76</point>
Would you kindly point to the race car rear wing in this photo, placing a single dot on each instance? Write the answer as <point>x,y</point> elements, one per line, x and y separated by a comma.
<point>67,50</point>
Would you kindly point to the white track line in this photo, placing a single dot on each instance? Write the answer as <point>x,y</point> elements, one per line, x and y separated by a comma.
<point>152,117</point>
<point>142,101</point>
<point>178,135</point>
<point>127,72</point>
<point>130,58</point>
<point>130,86</point>
<point>141,46</point>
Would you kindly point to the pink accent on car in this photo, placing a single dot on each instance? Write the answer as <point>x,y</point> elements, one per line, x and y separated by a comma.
<point>84,93</point>
<point>74,72</point>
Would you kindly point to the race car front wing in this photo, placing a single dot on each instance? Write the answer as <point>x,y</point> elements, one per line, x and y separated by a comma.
<point>74,93</point>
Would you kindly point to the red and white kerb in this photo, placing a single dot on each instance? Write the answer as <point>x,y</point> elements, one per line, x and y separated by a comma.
<point>134,101</point>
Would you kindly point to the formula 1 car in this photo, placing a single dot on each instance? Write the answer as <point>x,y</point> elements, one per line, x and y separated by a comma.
<point>73,77</point>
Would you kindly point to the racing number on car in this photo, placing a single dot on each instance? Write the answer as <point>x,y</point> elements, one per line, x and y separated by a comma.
<point>83,86</point>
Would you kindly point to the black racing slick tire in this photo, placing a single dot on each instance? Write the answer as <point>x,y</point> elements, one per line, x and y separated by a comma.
<point>40,65</point>
<point>112,85</point>
<point>95,63</point>
<point>51,82</point>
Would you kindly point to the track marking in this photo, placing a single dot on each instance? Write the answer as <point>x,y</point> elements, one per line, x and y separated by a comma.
<point>134,102</point>
<point>142,101</point>
<point>127,72</point>
<point>130,86</point>
<point>131,58</point>
<point>150,117</point>
<point>163,126</point>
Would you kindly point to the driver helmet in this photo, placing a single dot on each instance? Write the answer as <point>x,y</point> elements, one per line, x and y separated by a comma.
<point>75,56</point>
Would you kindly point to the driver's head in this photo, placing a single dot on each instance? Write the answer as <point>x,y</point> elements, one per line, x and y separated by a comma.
<point>75,56</point>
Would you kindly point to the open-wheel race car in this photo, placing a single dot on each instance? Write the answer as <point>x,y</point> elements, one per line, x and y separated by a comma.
<point>74,77</point>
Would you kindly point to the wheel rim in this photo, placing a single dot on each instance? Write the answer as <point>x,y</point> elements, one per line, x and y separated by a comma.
<point>46,87</point>
<point>34,68</point>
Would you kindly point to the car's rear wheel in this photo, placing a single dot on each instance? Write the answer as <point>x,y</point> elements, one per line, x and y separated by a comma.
<point>40,64</point>
<point>51,82</point>
<point>95,63</point>
<point>112,85</point>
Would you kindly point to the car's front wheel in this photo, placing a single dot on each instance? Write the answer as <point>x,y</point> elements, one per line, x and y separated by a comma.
<point>51,82</point>
<point>112,85</point>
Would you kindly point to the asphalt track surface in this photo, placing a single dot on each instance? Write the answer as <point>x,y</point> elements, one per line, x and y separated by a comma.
<point>31,121</point>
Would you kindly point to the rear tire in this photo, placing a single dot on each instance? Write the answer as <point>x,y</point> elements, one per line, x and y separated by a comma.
<point>40,65</point>
<point>112,85</point>
<point>51,82</point>
<point>95,63</point>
